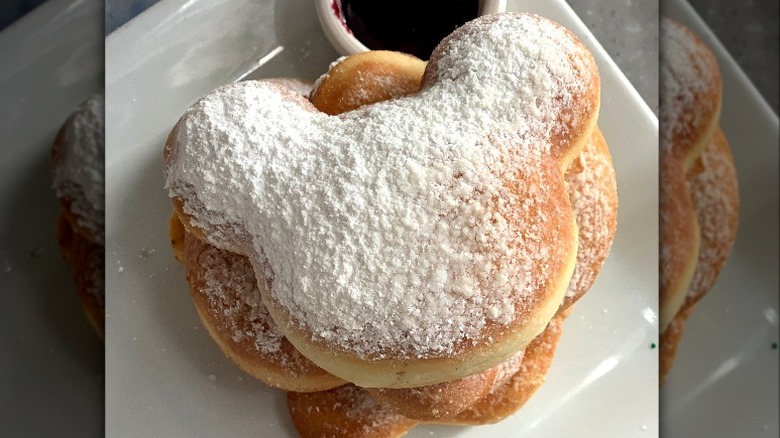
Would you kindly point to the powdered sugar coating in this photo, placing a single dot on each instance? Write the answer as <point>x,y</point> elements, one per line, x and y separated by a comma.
<point>227,282</point>
<point>593,194</point>
<point>346,411</point>
<point>78,170</point>
<point>446,399</point>
<point>230,285</point>
<point>365,409</point>
<point>506,370</point>
<point>297,86</point>
<point>526,70</point>
<point>407,226</point>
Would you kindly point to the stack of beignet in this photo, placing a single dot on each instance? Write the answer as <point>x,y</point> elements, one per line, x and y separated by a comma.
<point>699,199</point>
<point>78,179</point>
<point>402,245</point>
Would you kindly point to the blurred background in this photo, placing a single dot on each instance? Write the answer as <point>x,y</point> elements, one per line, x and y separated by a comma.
<point>51,361</point>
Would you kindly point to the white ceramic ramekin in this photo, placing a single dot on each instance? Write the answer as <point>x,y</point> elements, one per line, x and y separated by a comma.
<point>342,39</point>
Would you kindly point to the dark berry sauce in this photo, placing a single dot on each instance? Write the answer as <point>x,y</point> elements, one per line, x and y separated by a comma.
<point>410,26</point>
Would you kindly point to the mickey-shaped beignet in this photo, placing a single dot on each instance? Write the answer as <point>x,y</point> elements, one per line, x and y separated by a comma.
<point>412,241</point>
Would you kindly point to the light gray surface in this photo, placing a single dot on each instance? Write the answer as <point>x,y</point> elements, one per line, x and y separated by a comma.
<point>628,30</point>
<point>749,31</point>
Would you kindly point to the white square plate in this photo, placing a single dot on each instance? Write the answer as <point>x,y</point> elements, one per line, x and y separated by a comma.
<point>725,379</point>
<point>51,361</point>
<point>167,378</point>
